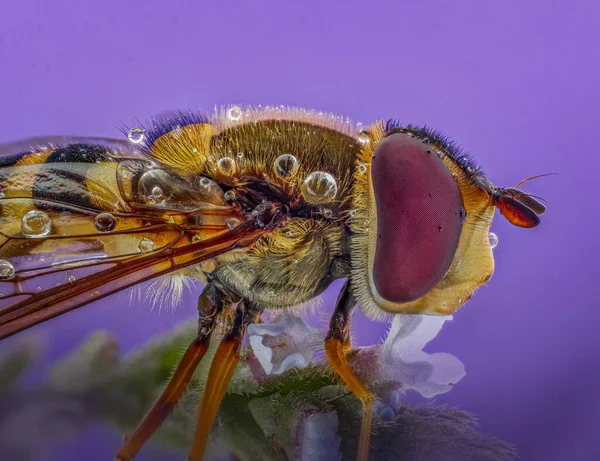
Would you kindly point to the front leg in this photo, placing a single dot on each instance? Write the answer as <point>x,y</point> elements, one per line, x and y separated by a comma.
<point>337,344</point>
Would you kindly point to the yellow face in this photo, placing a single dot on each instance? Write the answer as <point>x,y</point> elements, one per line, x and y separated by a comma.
<point>421,234</point>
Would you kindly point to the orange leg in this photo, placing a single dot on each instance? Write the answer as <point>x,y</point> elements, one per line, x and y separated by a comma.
<point>209,304</point>
<point>337,344</point>
<point>219,375</point>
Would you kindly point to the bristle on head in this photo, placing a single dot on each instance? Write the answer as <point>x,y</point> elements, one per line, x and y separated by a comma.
<point>439,141</point>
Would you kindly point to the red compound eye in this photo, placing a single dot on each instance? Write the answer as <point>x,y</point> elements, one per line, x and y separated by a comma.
<point>419,218</point>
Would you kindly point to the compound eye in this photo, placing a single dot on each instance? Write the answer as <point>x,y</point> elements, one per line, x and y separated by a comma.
<point>419,218</point>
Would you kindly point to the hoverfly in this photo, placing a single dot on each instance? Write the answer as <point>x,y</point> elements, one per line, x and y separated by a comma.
<point>266,207</point>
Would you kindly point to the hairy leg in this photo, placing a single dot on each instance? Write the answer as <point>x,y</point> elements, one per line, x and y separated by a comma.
<point>219,375</point>
<point>337,344</point>
<point>210,303</point>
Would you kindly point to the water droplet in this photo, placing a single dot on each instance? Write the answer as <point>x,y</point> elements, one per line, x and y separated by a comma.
<point>7,270</point>
<point>286,165</point>
<point>136,135</point>
<point>230,195</point>
<point>71,279</point>
<point>240,155</point>
<point>352,213</point>
<point>157,194</point>
<point>493,240</point>
<point>36,224</point>
<point>152,186</point>
<point>232,223</point>
<point>1,194</point>
<point>226,165</point>
<point>95,294</point>
<point>327,213</point>
<point>288,234</point>
<point>363,137</point>
<point>105,222</point>
<point>234,113</point>
<point>319,187</point>
<point>361,168</point>
<point>57,284</point>
<point>39,288</point>
<point>145,245</point>
<point>205,182</point>
<point>64,217</point>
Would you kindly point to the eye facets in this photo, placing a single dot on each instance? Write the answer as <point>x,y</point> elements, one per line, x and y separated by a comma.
<point>319,187</point>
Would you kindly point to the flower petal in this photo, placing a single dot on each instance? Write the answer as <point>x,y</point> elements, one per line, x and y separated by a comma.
<point>402,358</point>
<point>284,344</point>
<point>291,361</point>
<point>263,353</point>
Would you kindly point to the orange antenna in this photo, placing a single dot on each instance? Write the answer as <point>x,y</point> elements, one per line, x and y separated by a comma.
<point>534,177</point>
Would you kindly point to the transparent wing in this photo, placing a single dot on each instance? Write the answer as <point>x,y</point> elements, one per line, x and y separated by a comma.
<point>88,280</point>
<point>83,221</point>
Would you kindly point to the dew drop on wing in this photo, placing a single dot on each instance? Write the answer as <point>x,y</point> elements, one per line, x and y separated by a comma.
<point>36,223</point>
<point>232,223</point>
<point>145,245</point>
<point>105,222</point>
<point>7,270</point>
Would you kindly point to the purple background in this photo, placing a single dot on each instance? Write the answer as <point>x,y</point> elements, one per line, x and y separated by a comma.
<point>515,82</point>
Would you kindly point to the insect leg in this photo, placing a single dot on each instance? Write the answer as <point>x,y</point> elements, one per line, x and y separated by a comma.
<point>337,344</point>
<point>219,375</point>
<point>210,303</point>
